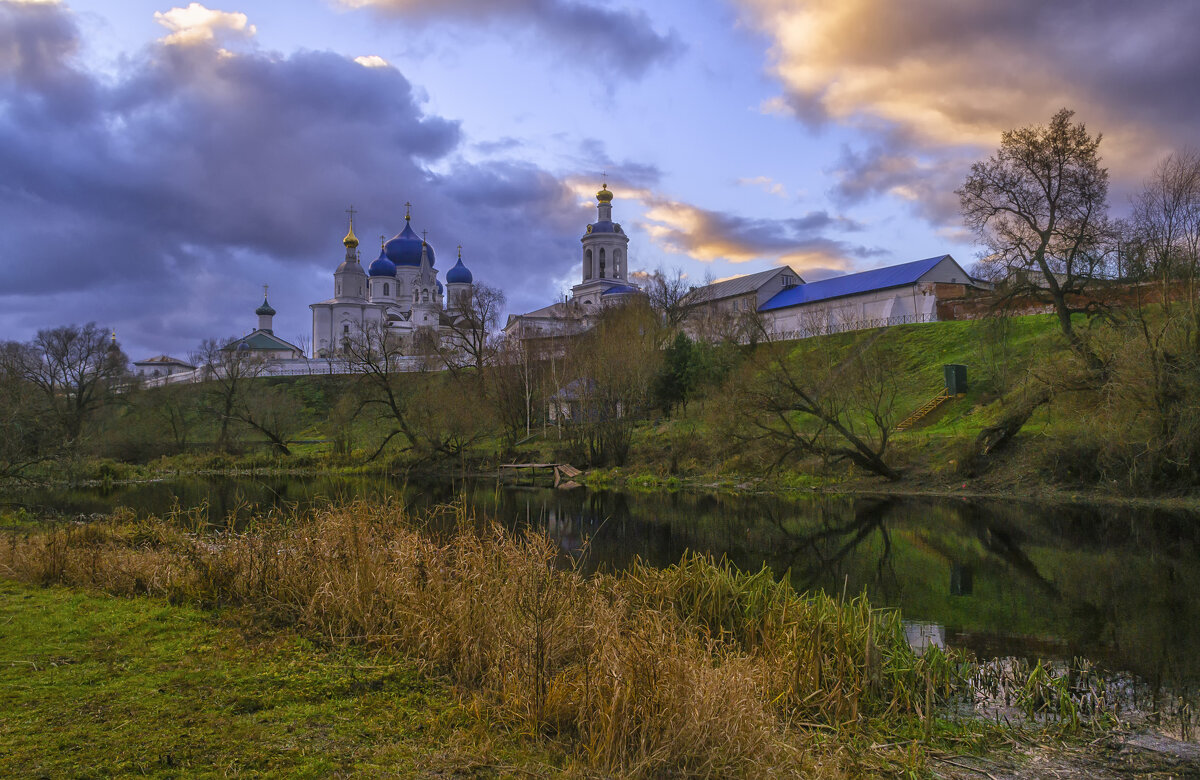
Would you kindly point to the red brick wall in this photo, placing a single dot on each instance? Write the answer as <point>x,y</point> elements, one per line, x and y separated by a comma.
<point>974,304</point>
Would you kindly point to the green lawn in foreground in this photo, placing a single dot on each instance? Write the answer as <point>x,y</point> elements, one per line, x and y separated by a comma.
<point>97,686</point>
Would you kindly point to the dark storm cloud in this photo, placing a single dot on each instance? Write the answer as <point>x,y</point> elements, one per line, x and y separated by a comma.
<point>159,199</point>
<point>622,40</point>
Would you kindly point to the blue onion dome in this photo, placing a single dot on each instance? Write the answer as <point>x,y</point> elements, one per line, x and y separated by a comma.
<point>405,247</point>
<point>243,347</point>
<point>459,274</point>
<point>440,288</point>
<point>382,265</point>
<point>265,309</point>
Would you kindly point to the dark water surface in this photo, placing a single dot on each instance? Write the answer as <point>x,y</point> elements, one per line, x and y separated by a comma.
<point>1118,586</point>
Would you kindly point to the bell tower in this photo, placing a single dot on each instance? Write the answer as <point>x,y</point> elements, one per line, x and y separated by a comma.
<point>605,254</point>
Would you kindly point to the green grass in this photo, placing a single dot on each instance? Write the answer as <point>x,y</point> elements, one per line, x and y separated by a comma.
<point>100,686</point>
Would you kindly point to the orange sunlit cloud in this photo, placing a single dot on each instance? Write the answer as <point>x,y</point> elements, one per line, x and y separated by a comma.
<point>958,73</point>
<point>706,236</point>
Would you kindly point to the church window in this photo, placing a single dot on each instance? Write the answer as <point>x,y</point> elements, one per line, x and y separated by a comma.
<point>617,264</point>
<point>345,329</point>
<point>587,265</point>
<point>425,297</point>
<point>386,290</point>
<point>339,289</point>
<point>601,262</point>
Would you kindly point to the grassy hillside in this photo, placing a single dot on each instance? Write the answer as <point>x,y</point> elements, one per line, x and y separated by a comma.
<point>704,440</point>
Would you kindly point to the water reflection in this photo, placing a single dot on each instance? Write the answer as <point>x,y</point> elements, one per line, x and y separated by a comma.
<point>1000,578</point>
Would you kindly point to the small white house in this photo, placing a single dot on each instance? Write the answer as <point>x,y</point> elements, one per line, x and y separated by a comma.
<point>161,366</point>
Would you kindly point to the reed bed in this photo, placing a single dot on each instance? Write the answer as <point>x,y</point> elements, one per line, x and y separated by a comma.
<point>696,670</point>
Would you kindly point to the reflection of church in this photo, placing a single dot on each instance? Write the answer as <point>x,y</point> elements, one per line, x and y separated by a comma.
<point>398,292</point>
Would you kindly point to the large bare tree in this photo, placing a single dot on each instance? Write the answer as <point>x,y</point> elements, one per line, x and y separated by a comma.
<point>75,369</point>
<point>1039,205</point>
<point>819,399</point>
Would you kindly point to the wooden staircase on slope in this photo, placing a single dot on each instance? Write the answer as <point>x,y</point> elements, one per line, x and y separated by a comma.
<point>929,406</point>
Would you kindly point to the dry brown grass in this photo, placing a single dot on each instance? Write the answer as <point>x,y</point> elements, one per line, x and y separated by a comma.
<point>695,670</point>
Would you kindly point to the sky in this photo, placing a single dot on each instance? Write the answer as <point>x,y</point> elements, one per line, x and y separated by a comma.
<point>160,162</point>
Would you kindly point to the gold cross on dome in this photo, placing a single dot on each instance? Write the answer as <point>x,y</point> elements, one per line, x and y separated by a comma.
<point>264,292</point>
<point>351,211</point>
<point>407,209</point>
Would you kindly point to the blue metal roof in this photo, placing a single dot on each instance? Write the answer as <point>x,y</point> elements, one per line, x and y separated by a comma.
<point>405,248</point>
<point>383,266</point>
<point>854,284</point>
<point>459,274</point>
<point>604,226</point>
<point>620,289</point>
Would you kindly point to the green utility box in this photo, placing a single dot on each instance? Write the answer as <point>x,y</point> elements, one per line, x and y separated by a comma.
<point>956,379</point>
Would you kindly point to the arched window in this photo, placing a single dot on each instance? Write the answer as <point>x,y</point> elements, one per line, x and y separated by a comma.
<point>339,289</point>
<point>587,264</point>
<point>617,264</point>
<point>425,297</point>
<point>386,290</point>
<point>601,262</point>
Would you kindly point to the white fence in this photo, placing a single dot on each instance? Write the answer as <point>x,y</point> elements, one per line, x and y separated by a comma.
<point>827,328</point>
<point>294,367</point>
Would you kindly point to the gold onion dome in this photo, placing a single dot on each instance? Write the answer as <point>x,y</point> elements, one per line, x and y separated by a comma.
<point>351,240</point>
<point>604,196</point>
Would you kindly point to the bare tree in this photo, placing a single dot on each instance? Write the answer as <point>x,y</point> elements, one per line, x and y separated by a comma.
<point>474,316</point>
<point>667,292</point>
<point>513,387</point>
<point>1039,205</point>
<point>378,357</point>
<point>1165,235</point>
<point>174,408</point>
<point>617,362</point>
<point>272,412</point>
<point>818,401</point>
<point>75,368</point>
<point>227,368</point>
<point>27,437</point>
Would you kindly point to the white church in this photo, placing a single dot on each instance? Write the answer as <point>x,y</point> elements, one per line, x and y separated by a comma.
<point>399,292</point>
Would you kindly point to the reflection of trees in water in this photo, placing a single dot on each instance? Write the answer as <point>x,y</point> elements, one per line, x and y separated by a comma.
<point>807,552</point>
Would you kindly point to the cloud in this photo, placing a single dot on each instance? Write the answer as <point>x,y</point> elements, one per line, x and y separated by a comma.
<point>372,61</point>
<point>953,74</point>
<point>197,24</point>
<point>766,184</point>
<point>623,41</point>
<point>706,235</point>
<point>158,199</point>
<point>895,168</point>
